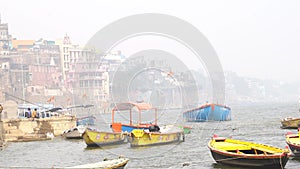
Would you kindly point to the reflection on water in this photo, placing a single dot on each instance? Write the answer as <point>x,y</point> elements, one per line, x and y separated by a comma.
<point>252,123</point>
<point>220,166</point>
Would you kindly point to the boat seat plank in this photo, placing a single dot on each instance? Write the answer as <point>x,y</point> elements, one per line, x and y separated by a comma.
<point>231,146</point>
<point>255,146</point>
<point>264,149</point>
<point>294,140</point>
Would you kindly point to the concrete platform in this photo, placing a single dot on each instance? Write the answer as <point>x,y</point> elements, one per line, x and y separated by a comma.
<point>32,129</point>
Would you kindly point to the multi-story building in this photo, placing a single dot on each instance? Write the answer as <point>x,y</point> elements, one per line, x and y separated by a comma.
<point>42,68</point>
<point>64,47</point>
<point>4,37</point>
<point>87,77</point>
<point>31,69</point>
<point>22,45</point>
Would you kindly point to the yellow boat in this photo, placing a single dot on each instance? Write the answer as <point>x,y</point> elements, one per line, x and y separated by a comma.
<point>293,140</point>
<point>140,137</point>
<point>247,154</point>
<point>95,138</point>
<point>290,123</point>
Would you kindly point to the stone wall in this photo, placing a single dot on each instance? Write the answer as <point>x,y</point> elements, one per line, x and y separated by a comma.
<point>35,129</point>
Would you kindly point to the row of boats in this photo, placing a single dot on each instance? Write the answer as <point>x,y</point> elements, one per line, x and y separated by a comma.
<point>224,150</point>
<point>233,152</point>
<point>242,153</point>
<point>137,134</point>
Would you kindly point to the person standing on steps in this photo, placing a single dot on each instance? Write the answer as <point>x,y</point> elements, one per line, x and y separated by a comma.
<point>1,109</point>
<point>33,114</point>
<point>28,113</point>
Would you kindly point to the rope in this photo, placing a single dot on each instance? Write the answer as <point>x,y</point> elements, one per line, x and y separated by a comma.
<point>281,163</point>
<point>23,100</point>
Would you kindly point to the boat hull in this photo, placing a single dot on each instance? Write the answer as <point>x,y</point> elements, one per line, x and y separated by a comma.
<point>290,123</point>
<point>98,139</point>
<point>247,154</point>
<point>208,112</point>
<point>243,161</point>
<point>155,138</point>
<point>74,133</point>
<point>118,163</point>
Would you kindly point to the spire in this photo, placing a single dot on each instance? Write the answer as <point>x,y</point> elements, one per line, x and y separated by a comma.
<point>52,62</point>
<point>67,40</point>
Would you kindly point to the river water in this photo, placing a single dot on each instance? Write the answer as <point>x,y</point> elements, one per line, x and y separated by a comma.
<point>258,123</point>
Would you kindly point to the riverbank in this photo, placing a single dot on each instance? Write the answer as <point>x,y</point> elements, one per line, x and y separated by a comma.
<point>34,129</point>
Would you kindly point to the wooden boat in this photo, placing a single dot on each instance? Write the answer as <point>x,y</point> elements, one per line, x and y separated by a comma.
<point>290,123</point>
<point>247,154</point>
<point>86,120</point>
<point>129,106</point>
<point>166,135</point>
<point>186,129</point>
<point>293,142</point>
<point>208,112</point>
<point>95,138</point>
<point>117,163</point>
<point>74,133</point>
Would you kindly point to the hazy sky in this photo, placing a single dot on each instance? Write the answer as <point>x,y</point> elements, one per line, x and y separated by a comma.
<point>253,38</point>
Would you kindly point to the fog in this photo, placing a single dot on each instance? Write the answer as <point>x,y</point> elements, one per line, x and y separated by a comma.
<point>256,42</point>
<point>253,38</point>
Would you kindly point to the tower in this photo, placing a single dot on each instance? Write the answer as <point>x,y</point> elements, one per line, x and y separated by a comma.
<point>4,37</point>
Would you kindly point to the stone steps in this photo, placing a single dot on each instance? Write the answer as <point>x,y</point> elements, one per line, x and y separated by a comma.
<point>32,129</point>
<point>14,131</point>
<point>10,127</point>
<point>25,137</point>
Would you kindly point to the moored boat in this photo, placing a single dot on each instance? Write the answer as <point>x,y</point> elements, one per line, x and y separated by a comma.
<point>293,141</point>
<point>186,129</point>
<point>208,112</point>
<point>129,106</point>
<point>247,154</point>
<point>166,135</point>
<point>95,138</point>
<point>74,133</point>
<point>117,163</point>
<point>86,120</point>
<point>290,123</point>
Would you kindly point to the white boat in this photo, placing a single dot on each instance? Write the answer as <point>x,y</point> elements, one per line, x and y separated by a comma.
<point>117,163</point>
<point>74,133</point>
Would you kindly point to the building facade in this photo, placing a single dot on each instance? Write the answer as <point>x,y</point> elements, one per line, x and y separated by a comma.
<point>5,38</point>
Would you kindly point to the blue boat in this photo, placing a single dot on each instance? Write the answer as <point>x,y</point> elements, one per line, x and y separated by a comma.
<point>87,120</point>
<point>208,112</point>
<point>130,106</point>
